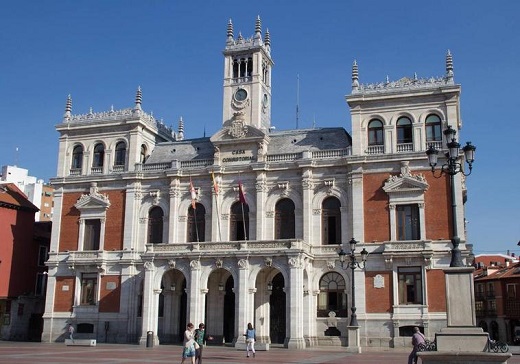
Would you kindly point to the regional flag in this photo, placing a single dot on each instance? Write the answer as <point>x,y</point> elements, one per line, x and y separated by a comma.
<point>241,196</point>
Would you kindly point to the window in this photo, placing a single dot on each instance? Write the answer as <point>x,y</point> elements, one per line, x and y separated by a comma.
<point>242,67</point>
<point>41,283</point>
<point>239,220</point>
<point>120,154</point>
<point>196,223</point>
<point>410,285</point>
<point>332,296</point>
<point>284,219</point>
<point>142,157</point>
<point>408,227</point>
<point>92,234</point>
<point>511,291</point>
<point>42,255</point>
<point>77,157</point>
<point>375,132</point>
<point>155,225</point>
<point>490,290</point>
<point>404,130</point>
<point>88,289</point>
<point>99,155</point>
<point>433,128</point>
<point>331,221</point>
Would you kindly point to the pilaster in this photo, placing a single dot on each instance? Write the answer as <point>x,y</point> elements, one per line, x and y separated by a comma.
<point>294,338</point>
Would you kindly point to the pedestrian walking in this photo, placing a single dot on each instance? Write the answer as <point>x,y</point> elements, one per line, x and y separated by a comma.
<point>200,338</point>
<point>70,330</point>
<point>250,339</point>
<point>188,350</point>
<point>417,339</point>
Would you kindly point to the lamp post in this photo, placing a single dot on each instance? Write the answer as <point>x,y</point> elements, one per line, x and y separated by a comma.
<point>353,264</point>
<point>453,166</point>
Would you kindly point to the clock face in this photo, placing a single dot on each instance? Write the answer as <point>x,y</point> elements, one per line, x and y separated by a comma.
<point>240,94</point>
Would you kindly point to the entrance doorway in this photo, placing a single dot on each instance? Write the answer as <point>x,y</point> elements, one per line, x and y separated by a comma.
<point>277,303</point>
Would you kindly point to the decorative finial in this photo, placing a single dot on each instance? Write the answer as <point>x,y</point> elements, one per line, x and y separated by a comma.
<point>68,109</point>
<point>240,38</point>
<point>138,99</point>
<point>230,31</point>
<point>415,76</point>
<point>180,135</point>
<point>449,66</point>
<point>355,76</point>
<point>258,28</point>
<point>267,38</point>
<point>387,79</point>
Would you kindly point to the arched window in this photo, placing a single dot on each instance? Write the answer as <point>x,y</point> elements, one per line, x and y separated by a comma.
<point>284,219</point>
<point>196,223</point>
<point>331,221</point>
<point>155,225</point>
<point>332,296</point>
<point>433,128</point>
<point>77,157</point>
<point>120,156</point>
<point>404,130</point>
<point>375,132</point>
<point>239,220</point>
<point>99,155</point>
<point>142,157</point>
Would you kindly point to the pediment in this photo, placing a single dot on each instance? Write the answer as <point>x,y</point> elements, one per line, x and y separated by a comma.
<point>233,133</point>
<point>405,184</point>
<point>93,200</point>
<point>406,181</point>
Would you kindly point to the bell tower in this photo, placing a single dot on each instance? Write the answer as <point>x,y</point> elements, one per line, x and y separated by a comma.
<point>247,79</point>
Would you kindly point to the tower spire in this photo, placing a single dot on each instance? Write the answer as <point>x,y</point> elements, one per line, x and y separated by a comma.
<point>138,99</point>
<point>449,67</point>
<point>258,28</point>
<point>68,109</point>
<point>181,129</point>
<point>267,39</point>
<point>229,32</point>
<point>355,76</point>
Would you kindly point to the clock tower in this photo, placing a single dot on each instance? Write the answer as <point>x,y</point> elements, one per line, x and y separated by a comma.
<point>247,79</point>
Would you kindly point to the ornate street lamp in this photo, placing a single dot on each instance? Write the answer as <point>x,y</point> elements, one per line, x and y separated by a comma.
<point>452,167</point>
<point>353,264</point>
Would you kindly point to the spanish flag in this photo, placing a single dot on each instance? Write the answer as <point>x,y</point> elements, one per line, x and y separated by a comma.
<point>241,196</point>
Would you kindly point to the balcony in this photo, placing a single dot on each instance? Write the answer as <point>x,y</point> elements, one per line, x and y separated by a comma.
<point>375,149</point>
<point>404,147</point>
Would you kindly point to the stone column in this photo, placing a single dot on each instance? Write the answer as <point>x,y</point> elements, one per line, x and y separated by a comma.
<point>174,211</point>
<point>150,304</point>
<point>132,206</point>
<point>194,309</point>
<point>244,314</point>
<point>308,188</point>
<point>294,338</point>
<point>261,195</point>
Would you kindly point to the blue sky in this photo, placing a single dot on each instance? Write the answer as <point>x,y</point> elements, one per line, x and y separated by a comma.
<point>101,51</point>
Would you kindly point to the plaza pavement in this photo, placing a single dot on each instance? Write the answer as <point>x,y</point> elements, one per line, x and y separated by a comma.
<point>58,353</point>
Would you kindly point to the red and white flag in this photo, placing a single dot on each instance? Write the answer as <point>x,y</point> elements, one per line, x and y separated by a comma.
<point>193,193</point>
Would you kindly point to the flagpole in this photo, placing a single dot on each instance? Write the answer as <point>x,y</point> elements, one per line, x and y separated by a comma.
<point>218,217</point>
<point>215,189</point>
<point>244,221</point>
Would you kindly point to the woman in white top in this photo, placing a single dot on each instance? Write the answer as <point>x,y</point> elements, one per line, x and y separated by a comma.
<point>188,350</point>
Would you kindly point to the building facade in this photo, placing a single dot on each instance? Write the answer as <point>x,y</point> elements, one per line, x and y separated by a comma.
<point>152,230</point>
<point>23,254</point>
<point>497,290</point>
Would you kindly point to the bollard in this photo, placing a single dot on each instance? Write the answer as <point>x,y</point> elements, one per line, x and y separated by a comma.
<point>149,339</point>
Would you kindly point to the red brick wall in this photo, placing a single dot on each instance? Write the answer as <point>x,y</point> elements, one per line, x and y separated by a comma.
<point>436,290</point>
<point>437,207</point>
<point>114,222</point>
<point>378,299</point>
<point>69,229</point>
<point>377,220</point>
<point>109,299</point>
<point>64,300</point>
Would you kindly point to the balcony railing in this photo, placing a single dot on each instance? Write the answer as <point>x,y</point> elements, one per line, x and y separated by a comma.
<point>375,149</point>
<point>404,147</point>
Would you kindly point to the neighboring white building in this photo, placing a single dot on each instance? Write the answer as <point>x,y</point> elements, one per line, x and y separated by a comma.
<point>35,189</point>
<point>152,230</point>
